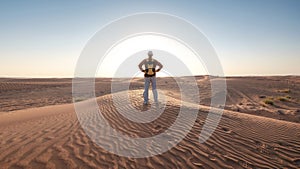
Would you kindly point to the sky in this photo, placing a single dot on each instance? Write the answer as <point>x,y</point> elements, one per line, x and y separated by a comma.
<point>45,38</point>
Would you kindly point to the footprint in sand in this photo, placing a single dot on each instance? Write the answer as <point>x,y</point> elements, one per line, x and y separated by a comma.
<point>158,127</point>
<point>227,130</point>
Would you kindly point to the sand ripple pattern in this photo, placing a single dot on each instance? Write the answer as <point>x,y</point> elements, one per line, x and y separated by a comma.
<point>55,139</point>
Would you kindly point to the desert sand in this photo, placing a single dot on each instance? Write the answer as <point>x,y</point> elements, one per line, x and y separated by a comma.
<point>259,128</point>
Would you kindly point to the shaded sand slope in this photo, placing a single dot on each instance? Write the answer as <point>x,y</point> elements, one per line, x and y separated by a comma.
<point>51,137</point>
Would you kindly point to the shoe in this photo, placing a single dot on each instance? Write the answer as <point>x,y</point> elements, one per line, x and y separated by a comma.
<point>145,103</point>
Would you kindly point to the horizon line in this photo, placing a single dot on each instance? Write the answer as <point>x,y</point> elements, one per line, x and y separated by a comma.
<point>70,77</point>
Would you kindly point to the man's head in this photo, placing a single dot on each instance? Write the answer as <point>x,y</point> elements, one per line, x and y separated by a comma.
<point>150,54</point>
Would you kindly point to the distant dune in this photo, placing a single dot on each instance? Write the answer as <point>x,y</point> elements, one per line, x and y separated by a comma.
<point>259,129</point>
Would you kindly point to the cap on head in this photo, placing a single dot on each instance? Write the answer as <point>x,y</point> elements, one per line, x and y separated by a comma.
<point>150,53</point>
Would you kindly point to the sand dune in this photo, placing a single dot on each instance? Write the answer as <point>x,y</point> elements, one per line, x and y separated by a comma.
<point>51,137</point>
<point>244,94</point>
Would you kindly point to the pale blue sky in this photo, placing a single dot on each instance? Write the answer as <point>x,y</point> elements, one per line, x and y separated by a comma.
<point>45,38</point>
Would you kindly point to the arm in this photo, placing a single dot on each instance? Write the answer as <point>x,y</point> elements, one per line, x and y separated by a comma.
<point>141,65</point>
<point>160,66</point>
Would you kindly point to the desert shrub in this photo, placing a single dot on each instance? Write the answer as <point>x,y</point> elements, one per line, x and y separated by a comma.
<point>284,91</point>
<point>269,101</point>
<point>283,99</point>
<point>280,112</point>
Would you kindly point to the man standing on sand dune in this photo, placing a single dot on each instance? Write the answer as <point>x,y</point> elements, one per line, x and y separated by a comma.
<point>150,75</point>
